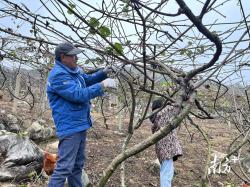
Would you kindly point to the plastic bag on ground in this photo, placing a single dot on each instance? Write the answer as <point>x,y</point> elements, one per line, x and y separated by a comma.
<point>20,158</point>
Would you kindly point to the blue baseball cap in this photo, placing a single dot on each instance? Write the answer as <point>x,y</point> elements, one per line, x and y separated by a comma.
<point>66,48</point>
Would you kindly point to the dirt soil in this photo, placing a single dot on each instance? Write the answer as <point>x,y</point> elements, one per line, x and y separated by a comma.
<point>104,144</point>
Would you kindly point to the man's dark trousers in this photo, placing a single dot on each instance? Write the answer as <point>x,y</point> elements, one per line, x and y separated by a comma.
<point>71,156</point>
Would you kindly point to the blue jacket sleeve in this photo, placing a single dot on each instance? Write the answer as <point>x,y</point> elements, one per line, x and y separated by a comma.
<point>65,86</point>
<point>94,78</point>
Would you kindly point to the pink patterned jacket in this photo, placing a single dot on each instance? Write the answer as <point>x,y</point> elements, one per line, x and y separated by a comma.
<point>168,147</point>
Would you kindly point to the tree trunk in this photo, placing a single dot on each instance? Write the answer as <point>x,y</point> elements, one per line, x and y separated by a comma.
<point>43,95</point>
<point>17,91</point>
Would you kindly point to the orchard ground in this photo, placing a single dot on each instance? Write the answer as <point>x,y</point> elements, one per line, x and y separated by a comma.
<point>104,144</point>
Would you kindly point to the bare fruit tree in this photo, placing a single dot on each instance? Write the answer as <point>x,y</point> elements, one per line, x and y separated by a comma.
<point>177,50</point>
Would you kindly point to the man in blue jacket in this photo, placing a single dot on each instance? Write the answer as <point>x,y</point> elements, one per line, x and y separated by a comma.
<point>69,91</point>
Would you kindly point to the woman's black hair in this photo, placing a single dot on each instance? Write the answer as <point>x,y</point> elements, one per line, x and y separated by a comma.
<point>158,103</point>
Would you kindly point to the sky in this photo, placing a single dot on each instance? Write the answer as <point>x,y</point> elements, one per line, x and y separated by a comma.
<point>229,12</point>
